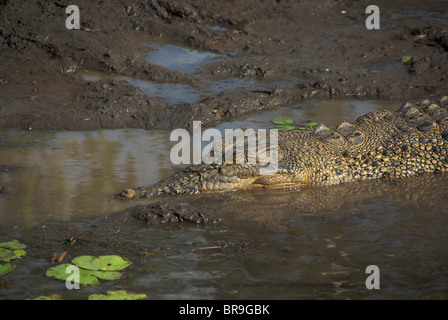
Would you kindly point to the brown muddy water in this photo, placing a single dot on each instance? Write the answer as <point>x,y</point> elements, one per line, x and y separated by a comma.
<point>312,243</point>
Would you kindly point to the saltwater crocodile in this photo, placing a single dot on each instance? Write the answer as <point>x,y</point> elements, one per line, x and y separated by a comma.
<point>379,145</point>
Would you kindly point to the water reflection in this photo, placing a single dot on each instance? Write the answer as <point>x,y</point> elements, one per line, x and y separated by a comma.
<point>329,112</point>
<point>72,174</point>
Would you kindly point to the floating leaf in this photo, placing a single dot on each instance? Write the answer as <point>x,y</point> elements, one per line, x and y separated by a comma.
<point>86,277</point>
<point>6,268</point>
<point>282,121</point>
<point>405,59</point>
<point>7,255</point>
<point>118,295</point>
<point>106,275</point>
<point>52,297</point>
<point>91,269</point>
<point>284,127</point>
<point>60,273</point>
<point>112,262</point>
<point>18,254</point>
<point>8,251</point>
<point>312,124</point>
<point>13,245</point>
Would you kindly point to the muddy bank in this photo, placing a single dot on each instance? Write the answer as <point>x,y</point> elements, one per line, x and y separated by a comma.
<point>319,52</point>
<point>160,213</point>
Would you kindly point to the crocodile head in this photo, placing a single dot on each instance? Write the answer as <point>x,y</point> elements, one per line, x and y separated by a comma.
<point>300,159</point>
<point>216,178</point>
<point>281,166</point>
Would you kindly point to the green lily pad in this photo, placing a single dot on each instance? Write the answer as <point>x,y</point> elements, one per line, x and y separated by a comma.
<point>284,127</point>
<point>91,269</point>
<point>8,251</point>
<point>7,255</point>
<point>282,121</point>
<point>405,59</point>
<point>6,268</point>
<point>112,262</point>
<point>86,277</point>
<point>13,245</point>
<point>59,272</point>
<point>312,124</point>
<point>52,297</point>
<point>106,275</point>
<point>118,295</point>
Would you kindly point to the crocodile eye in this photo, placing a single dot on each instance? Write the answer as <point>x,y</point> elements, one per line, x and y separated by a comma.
<point>427,126</point>
<point>335,139</point>
<point>356,137</point>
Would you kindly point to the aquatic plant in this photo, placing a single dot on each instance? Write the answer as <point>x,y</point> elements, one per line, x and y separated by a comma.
<point>91,269</point>
<point>118,295</point>
<point>9,251</point>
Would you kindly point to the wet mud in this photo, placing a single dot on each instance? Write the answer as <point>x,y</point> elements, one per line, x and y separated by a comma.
<point>317,51</point>
<point>161,213</point>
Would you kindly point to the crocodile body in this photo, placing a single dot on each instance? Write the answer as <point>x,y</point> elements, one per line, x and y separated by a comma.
<point>379,145</point>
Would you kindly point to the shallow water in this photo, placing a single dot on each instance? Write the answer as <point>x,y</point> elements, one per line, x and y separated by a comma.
<point>284,244</point>
<point>171,92</point>
<point>181,59</point>
<point>419,9</point>
<point>188,61</point>
<point>178,92</point>
<point>66,175</point>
